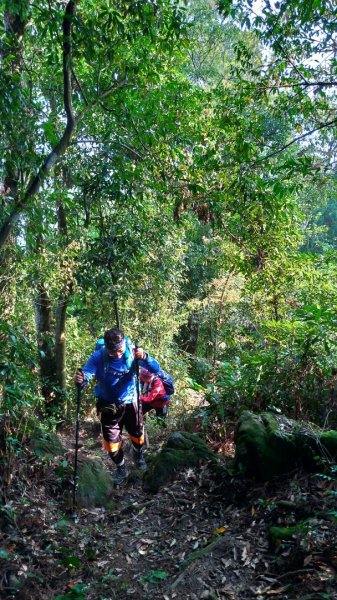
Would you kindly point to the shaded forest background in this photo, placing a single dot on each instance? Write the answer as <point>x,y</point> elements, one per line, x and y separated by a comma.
<point>169,167</point>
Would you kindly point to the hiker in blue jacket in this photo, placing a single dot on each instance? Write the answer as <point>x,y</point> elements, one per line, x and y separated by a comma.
<point>114,367</point>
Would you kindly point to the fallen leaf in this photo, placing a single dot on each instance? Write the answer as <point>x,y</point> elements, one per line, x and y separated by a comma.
<point>219,530</point>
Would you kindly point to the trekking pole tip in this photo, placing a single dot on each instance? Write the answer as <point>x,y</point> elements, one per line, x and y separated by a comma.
<point>75,517</point>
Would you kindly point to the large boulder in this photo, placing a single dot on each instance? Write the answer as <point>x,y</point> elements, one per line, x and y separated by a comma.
<point>182,449</point>
<point>95,485</point>
<point>270,444</point>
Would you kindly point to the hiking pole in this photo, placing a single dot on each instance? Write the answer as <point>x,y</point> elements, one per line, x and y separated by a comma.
<point>137,391</point>
<point>75,480</point>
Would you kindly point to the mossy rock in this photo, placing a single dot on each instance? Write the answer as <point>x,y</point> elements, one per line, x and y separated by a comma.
<point>270,444</point>
<point>45,443</point>
<point>182,449</point>
<point>95,485</point>
<point>277,535</point>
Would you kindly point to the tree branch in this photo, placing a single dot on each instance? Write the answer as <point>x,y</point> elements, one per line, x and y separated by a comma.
<point>297,139</point>
<point>101,96</point>
<point>291,62</point>
<point>54,156</point>
<point>127,149</point>
<point>302,84</point>
<point>63,143</point>
<point>79,86</point>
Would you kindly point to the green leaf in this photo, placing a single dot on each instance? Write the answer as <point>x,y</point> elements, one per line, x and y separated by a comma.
<point>77,592</point>
<point>71,561</point>
<point>154,577</point>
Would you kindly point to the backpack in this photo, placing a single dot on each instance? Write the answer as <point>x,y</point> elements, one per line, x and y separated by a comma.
<point>167,381</point>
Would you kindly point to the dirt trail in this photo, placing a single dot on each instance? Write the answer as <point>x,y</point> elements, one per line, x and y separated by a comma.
<point>194,539</point>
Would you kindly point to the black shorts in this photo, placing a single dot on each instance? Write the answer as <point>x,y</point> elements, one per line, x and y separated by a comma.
<point>113,420</point>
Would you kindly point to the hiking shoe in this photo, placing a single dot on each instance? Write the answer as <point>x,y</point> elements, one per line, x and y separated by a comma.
<point>120,474</point>
<point>139,460</point>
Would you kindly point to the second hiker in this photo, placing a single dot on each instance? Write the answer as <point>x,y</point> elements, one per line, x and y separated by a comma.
<point>154,395</point>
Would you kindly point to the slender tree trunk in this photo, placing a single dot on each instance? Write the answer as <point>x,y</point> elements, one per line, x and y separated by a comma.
<point>43,323</point>
<point>114,298</point>
<point>60,339</point>
<point>61,310</point>
<point>218,322</point>
<point>116,314</point>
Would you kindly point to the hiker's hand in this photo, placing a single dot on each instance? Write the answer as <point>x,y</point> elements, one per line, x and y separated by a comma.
<point>79,377</point>
<point>139,353</point>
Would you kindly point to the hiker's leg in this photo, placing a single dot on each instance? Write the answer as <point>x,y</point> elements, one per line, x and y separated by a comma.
<point>112,433</point>
<point>134,425</point>
<point>112,425</point>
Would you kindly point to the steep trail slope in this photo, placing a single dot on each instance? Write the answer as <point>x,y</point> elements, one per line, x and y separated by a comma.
<point>196,538</point>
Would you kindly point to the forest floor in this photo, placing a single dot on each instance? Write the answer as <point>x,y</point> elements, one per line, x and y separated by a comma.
<point>196,538</point>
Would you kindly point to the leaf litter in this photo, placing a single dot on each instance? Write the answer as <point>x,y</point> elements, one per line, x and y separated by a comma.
<point>196,538</point>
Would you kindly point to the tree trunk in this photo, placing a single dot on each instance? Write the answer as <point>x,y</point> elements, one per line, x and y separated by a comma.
<point>60,355</point>
<point>61,310</point>
<point>60,341</point>
<point>53,360</point>
<point>43,322</point>
<point>191,334</point>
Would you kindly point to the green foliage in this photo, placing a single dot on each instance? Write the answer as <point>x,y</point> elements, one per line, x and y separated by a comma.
<point>186,205</point>
<point>286,534</point>
<point>71,561</point>
<point>77,591</point>
<point>154,577</point>
<point>293,370</point>
<point>20,401</point>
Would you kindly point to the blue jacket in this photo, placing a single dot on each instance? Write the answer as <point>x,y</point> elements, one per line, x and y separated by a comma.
<point>115,376</point>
